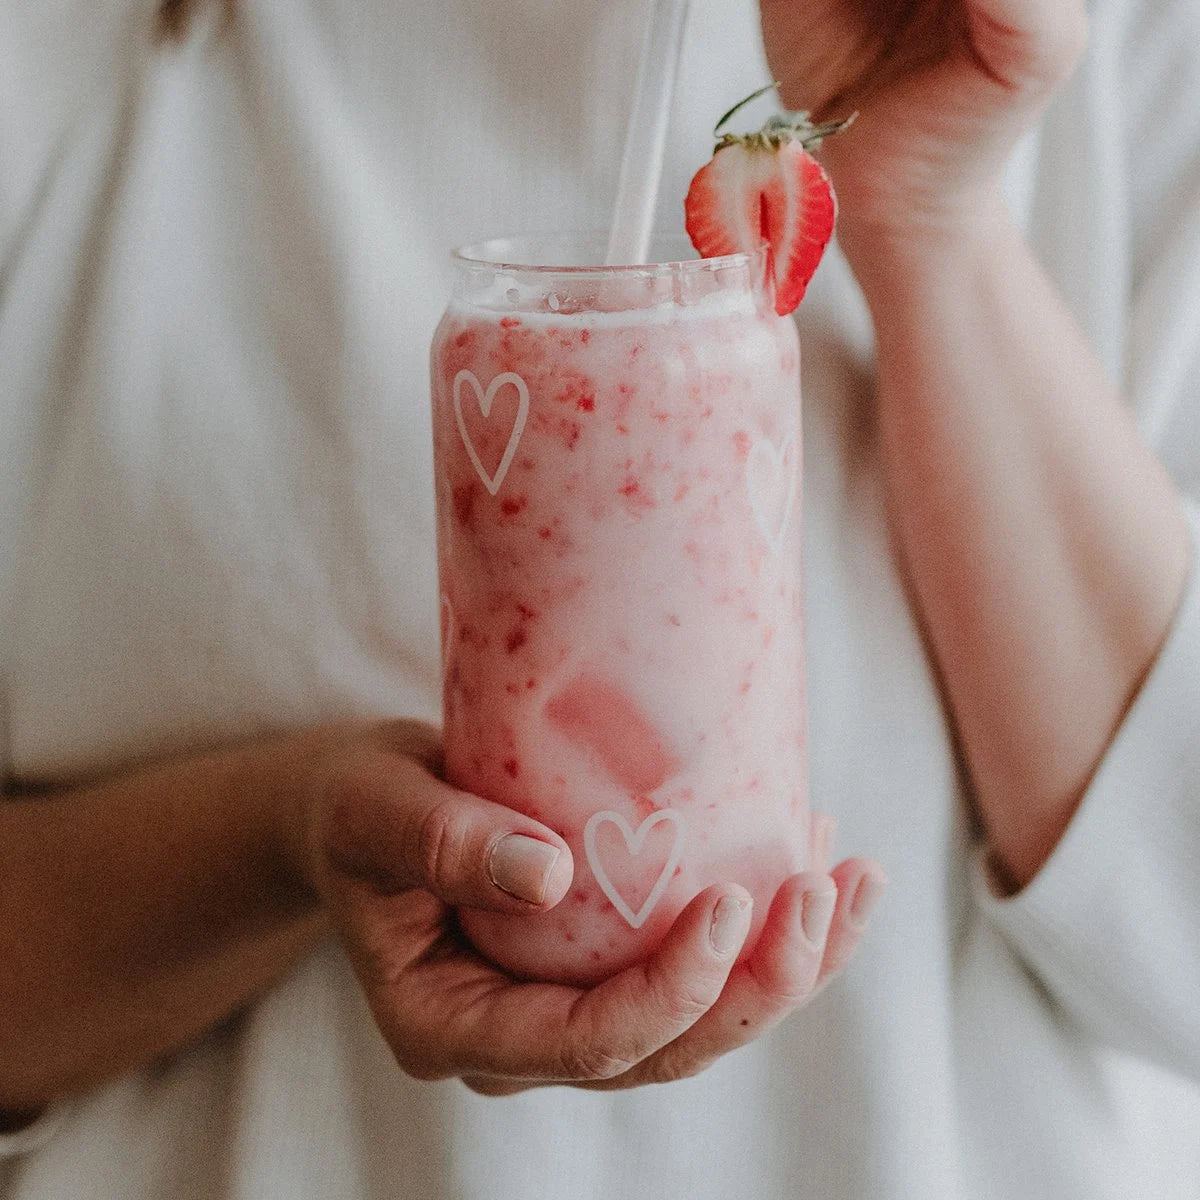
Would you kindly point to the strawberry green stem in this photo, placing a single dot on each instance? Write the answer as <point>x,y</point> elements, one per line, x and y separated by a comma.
<point>779,127</point>
<point>762,91</point>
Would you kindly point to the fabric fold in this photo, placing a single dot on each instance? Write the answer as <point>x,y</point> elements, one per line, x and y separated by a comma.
<point>36,1134</point>
<point>1111,923</point>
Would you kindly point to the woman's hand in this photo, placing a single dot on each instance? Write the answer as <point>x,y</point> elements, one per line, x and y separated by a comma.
<point>392,848</point>
<point>118,949</point>
<point>943,88</point>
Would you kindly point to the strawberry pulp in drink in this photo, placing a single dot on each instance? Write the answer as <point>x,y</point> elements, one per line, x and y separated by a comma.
<point>617,457</point>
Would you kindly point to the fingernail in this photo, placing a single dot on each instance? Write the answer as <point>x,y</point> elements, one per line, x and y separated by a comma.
<point>816,914</point>
<point>521,866</point>
<point>870,888</point>
<point>730,920</point>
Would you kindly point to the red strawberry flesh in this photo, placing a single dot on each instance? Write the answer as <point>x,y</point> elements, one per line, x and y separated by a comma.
<point>752,192</point>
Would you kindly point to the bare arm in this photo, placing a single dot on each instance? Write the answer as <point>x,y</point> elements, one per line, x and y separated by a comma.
<point>137,912</point>
<point>1045,547</point>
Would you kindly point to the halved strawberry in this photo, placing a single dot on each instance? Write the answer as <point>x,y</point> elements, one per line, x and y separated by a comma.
<point>765,186</point>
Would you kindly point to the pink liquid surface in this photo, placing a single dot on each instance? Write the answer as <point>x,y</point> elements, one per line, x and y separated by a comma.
<point>621,619</point>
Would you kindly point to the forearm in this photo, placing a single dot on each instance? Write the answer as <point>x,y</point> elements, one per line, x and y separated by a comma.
<point>1045,545</point>
<point>137,912</point>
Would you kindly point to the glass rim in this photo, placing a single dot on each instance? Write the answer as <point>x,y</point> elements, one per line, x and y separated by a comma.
<point>499,254</point>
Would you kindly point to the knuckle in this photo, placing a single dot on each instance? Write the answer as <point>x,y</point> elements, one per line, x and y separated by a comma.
<point>590,1062</point>
<point>784,998</point>
<point>693,1001</point>
<point>690,1069</point>
<point>684,1001</point>
<point>672,1067</point>
<point>441,840</point>
<point>1041,56</point>
<point>792,982</point>
<point>783,991</point>
<point>686,1008</point>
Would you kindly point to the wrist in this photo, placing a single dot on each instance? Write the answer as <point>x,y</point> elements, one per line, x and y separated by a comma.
<point>898,258</point>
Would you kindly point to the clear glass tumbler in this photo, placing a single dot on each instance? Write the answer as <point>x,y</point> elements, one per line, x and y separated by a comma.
<point>617,456</point>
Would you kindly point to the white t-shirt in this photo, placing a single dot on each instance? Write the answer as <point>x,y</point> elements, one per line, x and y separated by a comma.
<point>221,261</point>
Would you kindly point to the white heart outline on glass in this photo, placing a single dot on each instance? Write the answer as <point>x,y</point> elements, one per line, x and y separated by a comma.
<point>777,462</point>
<point>634,841</point>
<point>485,399</point>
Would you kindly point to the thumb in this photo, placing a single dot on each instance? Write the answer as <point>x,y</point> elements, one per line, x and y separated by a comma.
<point>389,822</point>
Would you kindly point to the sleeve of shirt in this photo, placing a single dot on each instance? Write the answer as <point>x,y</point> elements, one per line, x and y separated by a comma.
<point>1111,924</point>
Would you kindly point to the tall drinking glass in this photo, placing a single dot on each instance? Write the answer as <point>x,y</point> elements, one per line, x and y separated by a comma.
<point>617,457</point>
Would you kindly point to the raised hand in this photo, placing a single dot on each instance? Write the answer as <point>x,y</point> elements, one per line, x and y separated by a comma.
<point>943,89</point>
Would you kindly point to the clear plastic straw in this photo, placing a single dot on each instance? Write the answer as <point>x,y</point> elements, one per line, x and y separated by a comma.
<point>645,136</point>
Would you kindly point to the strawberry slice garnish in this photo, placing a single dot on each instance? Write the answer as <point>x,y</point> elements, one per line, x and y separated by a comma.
<point>767,187</point>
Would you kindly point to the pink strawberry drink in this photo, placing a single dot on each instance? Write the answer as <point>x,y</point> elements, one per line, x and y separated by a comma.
<point>617,458</point>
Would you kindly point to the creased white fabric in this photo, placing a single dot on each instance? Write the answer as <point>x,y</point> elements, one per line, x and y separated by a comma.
<point>36,1134</point>
<point>1102,924</point>
<point>221,262</point>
